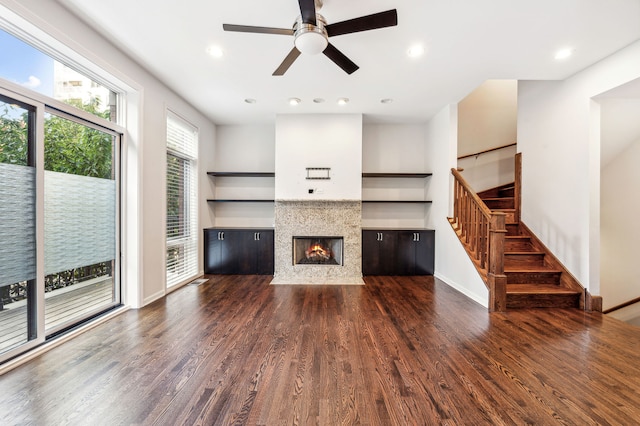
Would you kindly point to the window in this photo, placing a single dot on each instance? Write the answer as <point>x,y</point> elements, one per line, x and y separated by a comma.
<point>182,212</point>
<point>41,73</point>
<point>59,198</point>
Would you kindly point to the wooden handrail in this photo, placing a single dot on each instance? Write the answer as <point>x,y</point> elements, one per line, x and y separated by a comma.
<point>622,305</point>
<point>465,185</point>
<point>488,150</point>
<point>482,232</point>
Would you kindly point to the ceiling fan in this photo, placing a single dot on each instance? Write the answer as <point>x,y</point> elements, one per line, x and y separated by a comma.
<point>311,33</point>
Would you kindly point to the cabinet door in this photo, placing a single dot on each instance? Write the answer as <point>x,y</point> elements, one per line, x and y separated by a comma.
<point>425,253</point>
<point>239,252</point>
<point>378,252</point>
<point>415,252</point>
<point>264,252</point>
<point>212,251</point>
<point>406,249</point>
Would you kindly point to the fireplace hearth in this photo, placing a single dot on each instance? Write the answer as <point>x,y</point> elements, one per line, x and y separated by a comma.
<point>315,250</point>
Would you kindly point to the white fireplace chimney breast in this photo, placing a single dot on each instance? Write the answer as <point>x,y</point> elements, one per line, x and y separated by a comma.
<point>332,141</point>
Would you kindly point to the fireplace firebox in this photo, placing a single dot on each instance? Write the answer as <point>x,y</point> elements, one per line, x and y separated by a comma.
<point>312,250</point>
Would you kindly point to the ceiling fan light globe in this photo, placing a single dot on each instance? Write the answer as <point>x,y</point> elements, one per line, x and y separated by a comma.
<point>311,42</point>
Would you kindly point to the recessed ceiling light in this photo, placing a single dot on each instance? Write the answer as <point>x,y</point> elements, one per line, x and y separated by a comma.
<point>318,100</point>
<point>343,101</point>
<point>215,51</point>
<point>250,101</point>
<point>294,101</point>
<point>415,51</point>
<point>386,101</point>
<point>564,53</point>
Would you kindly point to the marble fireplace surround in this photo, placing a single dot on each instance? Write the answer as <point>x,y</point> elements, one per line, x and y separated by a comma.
<point>311,218</point>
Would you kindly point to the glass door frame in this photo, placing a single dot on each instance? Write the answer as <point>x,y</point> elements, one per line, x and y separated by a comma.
<point>42,104</point>
<point>117,149</point>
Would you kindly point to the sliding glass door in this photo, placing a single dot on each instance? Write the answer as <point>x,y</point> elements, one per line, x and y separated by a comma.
<point>59,220</point>
<point>80,220</point>
<point>17,224</point>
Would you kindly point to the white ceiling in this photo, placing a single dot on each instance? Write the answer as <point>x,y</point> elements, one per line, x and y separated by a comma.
<point>466,43</point>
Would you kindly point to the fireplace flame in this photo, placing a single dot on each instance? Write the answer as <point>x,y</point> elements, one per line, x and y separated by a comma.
<point>316,250</point>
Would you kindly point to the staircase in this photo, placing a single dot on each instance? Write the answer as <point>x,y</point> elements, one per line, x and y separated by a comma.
<point>535,278</point>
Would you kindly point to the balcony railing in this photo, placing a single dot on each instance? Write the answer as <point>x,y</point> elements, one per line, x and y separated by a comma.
<point>61,306</point>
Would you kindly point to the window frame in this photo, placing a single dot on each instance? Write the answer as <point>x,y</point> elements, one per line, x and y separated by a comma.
<point>185,268</point>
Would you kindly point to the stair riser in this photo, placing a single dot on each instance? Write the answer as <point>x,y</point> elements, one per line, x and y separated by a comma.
<point>524,301</point>
<point>510,217</point>
<point>523,260</point>
<point>517,245</point>
<point>533,277</point>
<point>510,192</point>
<point>513,229</point>
<point>499,203</point>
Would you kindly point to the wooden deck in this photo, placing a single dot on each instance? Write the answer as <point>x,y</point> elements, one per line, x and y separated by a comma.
<point>61,306</point>
<point>396,351</point>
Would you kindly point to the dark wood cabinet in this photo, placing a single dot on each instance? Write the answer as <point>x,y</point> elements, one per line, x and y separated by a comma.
<point>378,252</point>
<point>238,251</point>
<point>398,252</point>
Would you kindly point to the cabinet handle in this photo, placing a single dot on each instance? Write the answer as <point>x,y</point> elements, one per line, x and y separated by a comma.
<point>256,236</point>
<point>221,235</point>
<point>416,236</point>
<point>380,236</point>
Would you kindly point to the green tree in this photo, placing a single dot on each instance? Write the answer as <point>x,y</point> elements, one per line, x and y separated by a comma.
<point>73,148</point>
<point>69,147</point>
<point>13,135</point>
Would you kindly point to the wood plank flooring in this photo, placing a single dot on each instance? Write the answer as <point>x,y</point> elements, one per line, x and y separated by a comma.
<point>397,351</point>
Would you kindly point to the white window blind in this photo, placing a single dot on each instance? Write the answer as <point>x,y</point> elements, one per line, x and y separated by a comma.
<point>182,211</point>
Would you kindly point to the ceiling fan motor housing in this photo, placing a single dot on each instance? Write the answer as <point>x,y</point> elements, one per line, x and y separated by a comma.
<point>311,39</point>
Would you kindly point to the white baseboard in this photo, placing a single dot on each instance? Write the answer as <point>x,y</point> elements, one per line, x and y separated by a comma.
<point>480,299</point>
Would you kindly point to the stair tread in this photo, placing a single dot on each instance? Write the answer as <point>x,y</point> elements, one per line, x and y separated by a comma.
<point>539,289</point>
<point>532,269</point>
<point>519,252</point>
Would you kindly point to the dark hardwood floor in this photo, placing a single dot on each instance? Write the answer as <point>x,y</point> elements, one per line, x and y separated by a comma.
<point>398,351</point>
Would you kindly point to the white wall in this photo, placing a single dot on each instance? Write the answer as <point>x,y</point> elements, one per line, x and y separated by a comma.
<point>620,230</point>
<point>561,160</point>
<point>242,148</point>
<point>452,264</point>
<point>145,156</point>
<point>487,119</point>
<point>318,140</point>
<point>489,170</point>
<point>394,148</point>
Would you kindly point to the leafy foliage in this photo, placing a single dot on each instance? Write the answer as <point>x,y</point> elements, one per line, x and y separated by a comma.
<point>69,147</point>
<point>13,135</point>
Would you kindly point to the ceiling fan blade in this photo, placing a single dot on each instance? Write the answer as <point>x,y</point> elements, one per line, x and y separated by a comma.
<point>284,66</point>
<point>261,30</point>
<point>364,23</point>
<point>340,59</point>
<point>308,11</point>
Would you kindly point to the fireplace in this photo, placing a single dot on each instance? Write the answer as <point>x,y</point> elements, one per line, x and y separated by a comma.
<point>320,218</point>
<point>314,250</point>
